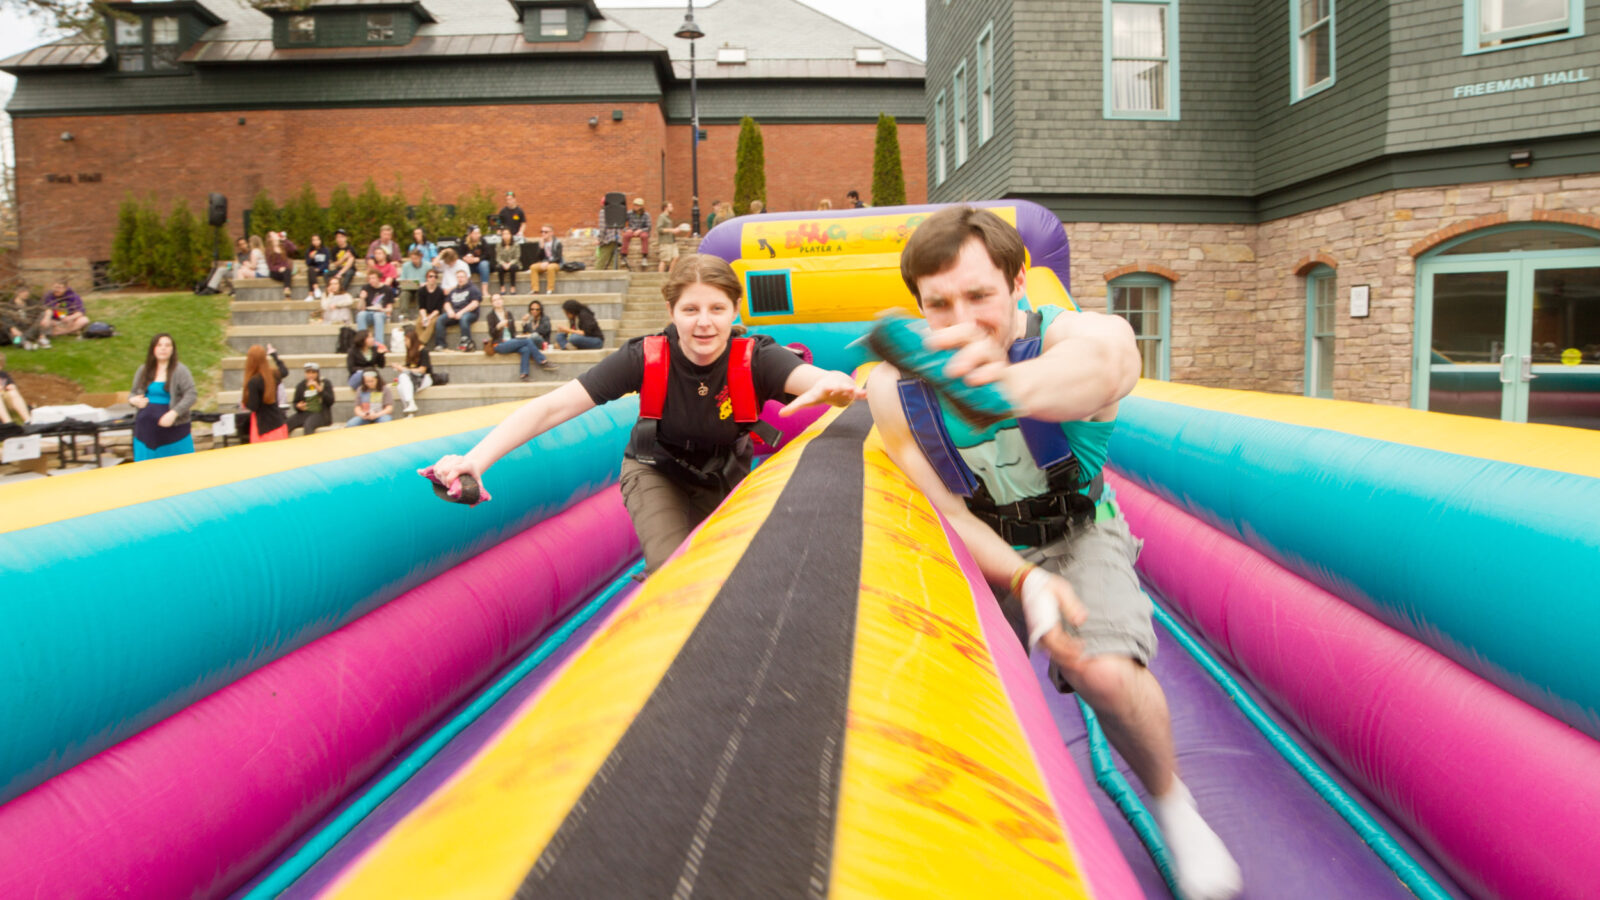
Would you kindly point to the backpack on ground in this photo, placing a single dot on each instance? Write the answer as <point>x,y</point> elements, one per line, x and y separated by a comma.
<point>347,339</point>
<point>99,330</point>
<point>573,266</point>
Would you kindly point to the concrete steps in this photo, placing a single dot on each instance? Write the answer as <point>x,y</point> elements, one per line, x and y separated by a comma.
<point>300,339</point>
<point>440,398</point>
<point>463,368</point>
<point>588,281</point>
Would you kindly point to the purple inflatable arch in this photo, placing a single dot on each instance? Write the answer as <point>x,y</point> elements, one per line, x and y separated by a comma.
<point>1041,231</point>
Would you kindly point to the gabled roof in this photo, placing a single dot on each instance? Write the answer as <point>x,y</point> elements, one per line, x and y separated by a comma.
<point>783,39</point>
<point>286,7</point>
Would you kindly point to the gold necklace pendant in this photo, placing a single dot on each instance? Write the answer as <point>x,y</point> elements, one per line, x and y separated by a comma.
<point>703,389</point>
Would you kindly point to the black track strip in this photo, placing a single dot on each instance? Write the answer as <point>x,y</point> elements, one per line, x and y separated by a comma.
<point>726,784</point>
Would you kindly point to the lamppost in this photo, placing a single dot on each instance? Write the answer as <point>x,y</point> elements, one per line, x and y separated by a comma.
<point>691,32</point>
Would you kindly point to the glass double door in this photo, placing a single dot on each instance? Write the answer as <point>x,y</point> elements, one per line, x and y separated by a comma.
<point>1512,336</point>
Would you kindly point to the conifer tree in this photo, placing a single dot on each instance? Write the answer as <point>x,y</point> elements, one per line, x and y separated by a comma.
<point>124,264</point>
<point>473,208</point>
<point>303,216</point>
<point>149,244</point>
<point>185,251</point>
<point>750,167</point>
<point>427,215</point>
<point>369,214</point>
<point>342,214</point>
<point>264,214</point>
<point>888,181</point>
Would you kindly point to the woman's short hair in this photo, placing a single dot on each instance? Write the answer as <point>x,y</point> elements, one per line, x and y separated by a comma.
<point>701,268</point>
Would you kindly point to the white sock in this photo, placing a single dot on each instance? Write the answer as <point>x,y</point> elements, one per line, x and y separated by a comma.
<point>1205,869</point>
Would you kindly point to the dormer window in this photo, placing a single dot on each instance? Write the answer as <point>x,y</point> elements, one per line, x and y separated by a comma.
<point>147,44</point>
<point>302,29</point>
<point>732,56</point>
<point>380,28</point>
<point>870,56</point>
<point>553,22</point>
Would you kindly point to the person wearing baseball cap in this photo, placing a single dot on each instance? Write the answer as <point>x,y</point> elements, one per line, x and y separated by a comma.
<point>638,226</point>
<point>313,402</point>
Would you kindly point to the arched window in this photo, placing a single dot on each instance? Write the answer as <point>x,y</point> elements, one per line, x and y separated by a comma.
<point>1145,300</point>
<point>1321,298</point>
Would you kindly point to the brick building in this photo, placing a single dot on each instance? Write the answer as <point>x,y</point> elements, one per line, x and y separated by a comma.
<point>1236,176</point>
<point>557,99</point>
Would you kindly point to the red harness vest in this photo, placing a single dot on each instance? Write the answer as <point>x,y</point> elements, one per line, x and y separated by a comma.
<point>741,384</point>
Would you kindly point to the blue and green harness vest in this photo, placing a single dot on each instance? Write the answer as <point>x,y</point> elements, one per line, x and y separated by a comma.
<point>1031,481</point>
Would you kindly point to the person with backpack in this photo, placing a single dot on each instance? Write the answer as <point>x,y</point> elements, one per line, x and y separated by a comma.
<point>701,389</point>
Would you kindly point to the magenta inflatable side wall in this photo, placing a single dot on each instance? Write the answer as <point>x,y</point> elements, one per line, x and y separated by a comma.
<point>1505,797</point>
<point>1103,865</point>
<point>192,806</point>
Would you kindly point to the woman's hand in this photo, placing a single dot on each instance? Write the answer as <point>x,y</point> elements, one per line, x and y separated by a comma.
<point>450,468</point>
<point>835,388</point>
<point>138,402</point>
<point>167,418</point>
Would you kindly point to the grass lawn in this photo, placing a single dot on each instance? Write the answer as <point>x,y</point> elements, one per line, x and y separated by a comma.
<point>198,326</point>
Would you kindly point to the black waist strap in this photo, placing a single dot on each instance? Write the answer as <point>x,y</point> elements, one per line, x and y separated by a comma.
<point>1036,521</point>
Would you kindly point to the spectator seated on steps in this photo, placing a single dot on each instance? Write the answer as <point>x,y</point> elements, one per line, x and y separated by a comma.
<point>280,260</point>
<point>386,243</point>
<point>547,260</point>
<point>461,310</point>
<point>337,304</point>
<point>582,330</point>
<point>416,372</point>
<point>430,306</point>
<point>373,305</point>
<point>476,253</point>
<point>14,405</point>
<point>419,241</point>
<point>412,273</point>
<point>344,260</point>
<point>366,354</point>
<point>507,261</point>
<point>319,259</point>
<point>503,339</point>
<point>638,226</point>
<point>374,400</point>
<point>313,402</point>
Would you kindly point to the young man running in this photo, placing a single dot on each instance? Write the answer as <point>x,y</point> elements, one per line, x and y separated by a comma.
<point>1039,517</point>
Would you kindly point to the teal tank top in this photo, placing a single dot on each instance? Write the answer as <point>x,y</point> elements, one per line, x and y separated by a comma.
<point>999,456</point>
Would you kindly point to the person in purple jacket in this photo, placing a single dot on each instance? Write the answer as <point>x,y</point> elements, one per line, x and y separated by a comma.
<point>67,315</point>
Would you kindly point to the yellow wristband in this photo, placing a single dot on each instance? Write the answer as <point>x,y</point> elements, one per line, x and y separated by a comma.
<point>1021,575</point>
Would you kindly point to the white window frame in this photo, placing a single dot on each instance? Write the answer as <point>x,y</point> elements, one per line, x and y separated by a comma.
<point>376,25</point>
<point>1473,40</point>
<point>1171,112</point>
<point>1299,31</point>
<point>1316,280</point>
<point>549,26</point>
<point>985,69</point>
<point>958,100</point>
<point>1163,336</point>
<point>940,172</point>
<point>299,33</point>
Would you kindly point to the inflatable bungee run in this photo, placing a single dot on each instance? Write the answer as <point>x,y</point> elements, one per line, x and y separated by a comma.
<point>289,670</point>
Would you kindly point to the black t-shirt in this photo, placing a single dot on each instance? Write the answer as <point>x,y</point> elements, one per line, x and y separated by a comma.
<point>590,326</point>
<point>695,424</point>
<point>430,300</point>
<point>512,217</point>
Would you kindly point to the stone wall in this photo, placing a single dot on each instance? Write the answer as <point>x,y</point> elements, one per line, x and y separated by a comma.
<point>1239,291</point>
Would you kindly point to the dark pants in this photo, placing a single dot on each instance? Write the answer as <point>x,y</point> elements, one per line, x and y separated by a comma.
<point>663,511</point>
<point>310,421</point>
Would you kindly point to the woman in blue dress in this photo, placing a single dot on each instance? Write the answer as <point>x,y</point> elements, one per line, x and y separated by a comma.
<point>163,392</point>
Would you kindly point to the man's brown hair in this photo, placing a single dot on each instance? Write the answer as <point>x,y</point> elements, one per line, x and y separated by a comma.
<point>937,242</point>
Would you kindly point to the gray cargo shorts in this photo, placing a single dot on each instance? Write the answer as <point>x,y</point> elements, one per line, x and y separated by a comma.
<point>1098,559</point>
